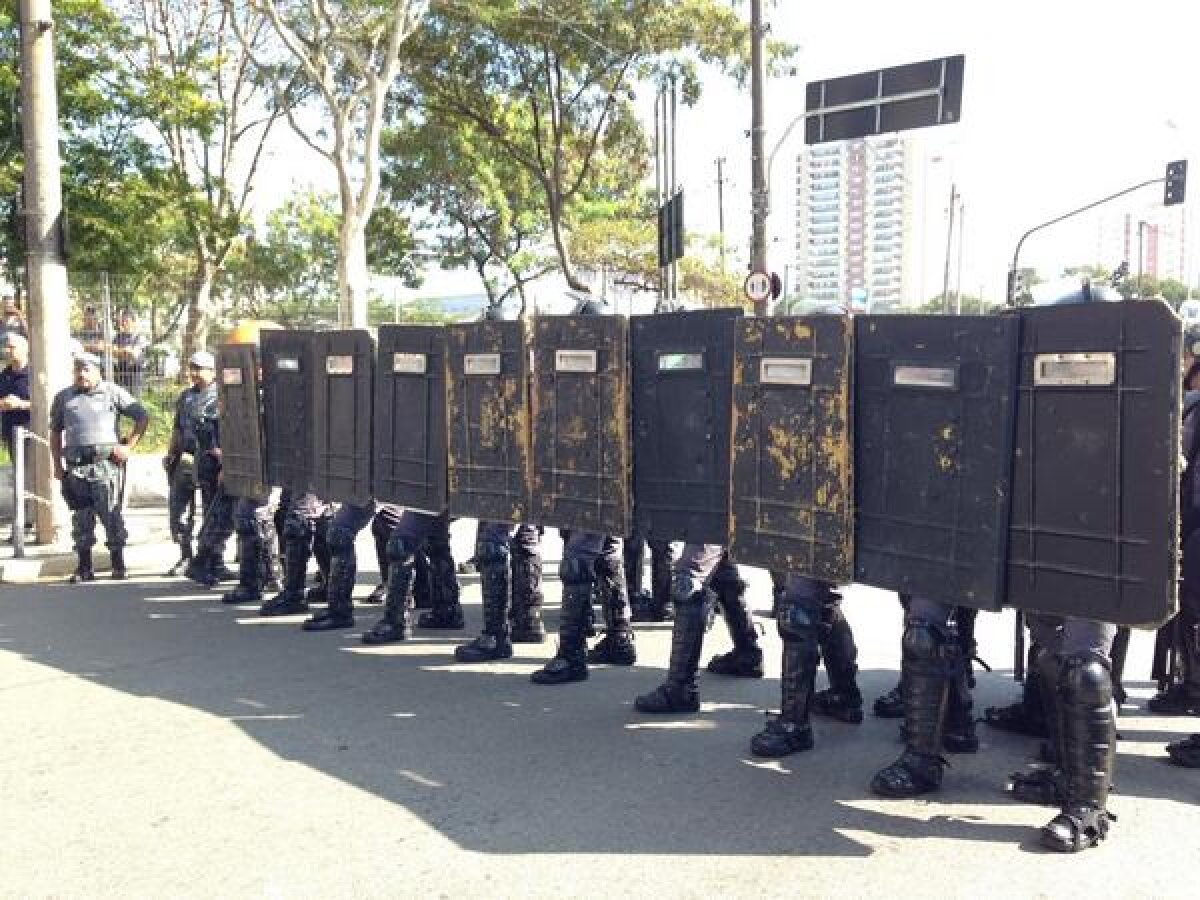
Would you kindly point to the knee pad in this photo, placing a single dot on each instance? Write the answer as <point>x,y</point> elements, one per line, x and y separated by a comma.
<point>400,548</point>
<point>575,571</point>
<point>492,553</point>
<point>609,566</point>
<point>339,539</point>
<point>795,621</point>
<point>930,645</point>
<point>1086,680</point>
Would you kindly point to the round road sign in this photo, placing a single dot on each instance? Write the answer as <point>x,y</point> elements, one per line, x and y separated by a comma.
<point>758,286</point>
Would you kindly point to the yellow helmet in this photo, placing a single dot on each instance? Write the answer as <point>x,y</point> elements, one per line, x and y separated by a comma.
<point>247,331</point>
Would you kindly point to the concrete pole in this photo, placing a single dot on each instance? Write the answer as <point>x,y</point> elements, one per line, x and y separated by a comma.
<point>949,245</point>
<point>758,127</point>
<point>45,268</point>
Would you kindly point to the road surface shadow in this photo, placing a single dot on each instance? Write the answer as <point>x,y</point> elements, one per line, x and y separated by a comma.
<point>499,765</point>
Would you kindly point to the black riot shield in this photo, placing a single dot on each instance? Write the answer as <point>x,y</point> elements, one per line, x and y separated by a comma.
<point>343,397</point>
<point>1096,473</point>
<point>933,407</point>
<point>488,431</point>
<point>581,453</point>
<point>682,393</point>
<point>242,470</point>
<point>287,376</point>
<point>410,417</point>
<point>792,495</point>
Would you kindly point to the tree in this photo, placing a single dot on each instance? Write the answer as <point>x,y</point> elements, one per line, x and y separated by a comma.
<point>119,211</point>
<point>214,115</point>
<point>552,86</point>
<point>348,54</point>
<point>484,210</point>
<point>288,273</point>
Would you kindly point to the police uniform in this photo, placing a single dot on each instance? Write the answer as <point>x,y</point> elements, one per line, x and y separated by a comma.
<point>493,557</point>
<point>704,577</point>
<point>207,566</point>
<point>94,484</point>
<point>812,626</point>
<point>258,566</point>
<point>347,522</point>
<point>192,409</point>
<point>302,511</point>
<point>410,532</point>
<point>653,605</point>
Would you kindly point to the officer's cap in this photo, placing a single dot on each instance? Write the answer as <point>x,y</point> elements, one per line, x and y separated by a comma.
<point>87,359</point>
<point>202,359</point>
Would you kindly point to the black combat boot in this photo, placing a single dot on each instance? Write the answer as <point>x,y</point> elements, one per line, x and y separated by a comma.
<point>185,558</point>
<point>616,648</point>
<point>679,693</point>
<point>1182,698</point>
<point>201,568</point>
<point>1027,716</point>
<point>891,704</point>
<point>1089,741</point>
<point>447,611</point>
<point>116,556</point>
<point>340,590</point>
<point>661,605</point>
<point>250,571</point>
<point>790,731</point>
<point>527,598</point>
<point>570,661</point>
<point>842,700</point>
<point>960,736</point>
<point>291,600</point>
<point>495,642</point>
<point>930,660</point>
<point>394,626</point>
<point>745,659</point>
<point>272,575</point>
<point>83,568</point>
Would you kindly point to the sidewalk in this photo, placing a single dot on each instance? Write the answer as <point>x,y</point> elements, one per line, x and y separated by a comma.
<point>149,544</point>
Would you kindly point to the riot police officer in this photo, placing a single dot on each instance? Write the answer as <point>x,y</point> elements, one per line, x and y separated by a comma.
<point>704,578</point>
<point>303,512</point>
<point>410,534</point>
<point>811,623</point>
<point>89,459</point>
<point>182,460</point>
<point>493,559</point>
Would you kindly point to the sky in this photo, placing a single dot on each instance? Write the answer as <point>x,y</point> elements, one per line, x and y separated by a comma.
<point>1064,102</point>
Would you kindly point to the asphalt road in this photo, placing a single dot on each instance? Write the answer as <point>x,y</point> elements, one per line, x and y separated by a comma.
<point>159,744</point>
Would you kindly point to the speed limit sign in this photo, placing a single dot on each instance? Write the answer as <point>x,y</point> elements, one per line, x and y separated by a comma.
<point>758,286</point>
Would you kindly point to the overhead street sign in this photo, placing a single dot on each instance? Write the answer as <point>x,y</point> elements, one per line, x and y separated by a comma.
<point>917,95</point>
<point>758,286</point>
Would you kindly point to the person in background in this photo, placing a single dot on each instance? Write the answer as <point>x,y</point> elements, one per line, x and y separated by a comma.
<point>14,399</point>
<point>129,354</point>
<point>12,319</point>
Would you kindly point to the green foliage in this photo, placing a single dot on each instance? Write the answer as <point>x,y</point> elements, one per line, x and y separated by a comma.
<point>552,88</point>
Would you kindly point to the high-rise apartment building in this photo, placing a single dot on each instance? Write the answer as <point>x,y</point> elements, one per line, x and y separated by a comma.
<point>854,224</point>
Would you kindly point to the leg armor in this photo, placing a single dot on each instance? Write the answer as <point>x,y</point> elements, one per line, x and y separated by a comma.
<point>527,598</point>
<point>402,559</point>
<point>570,661</point>
<point>493,559</point>
<point>616,647</point>
<point>447,611</point>
<point>790,731</point>
<point>343,571</point>
<point>745,659</point>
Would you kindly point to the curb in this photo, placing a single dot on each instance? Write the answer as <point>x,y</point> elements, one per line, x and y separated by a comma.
<point>60,564</point>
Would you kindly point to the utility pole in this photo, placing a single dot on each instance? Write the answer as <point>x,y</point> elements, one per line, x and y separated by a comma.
<point>45,267</point>
<point>759,201</point>
<point>949,244</point>
<point>962,239</point>
<point>1141,256</point>
<point>721,206</point>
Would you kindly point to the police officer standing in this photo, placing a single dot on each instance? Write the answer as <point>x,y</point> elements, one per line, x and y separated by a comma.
<point>183,453</point>
<point>89,459</point>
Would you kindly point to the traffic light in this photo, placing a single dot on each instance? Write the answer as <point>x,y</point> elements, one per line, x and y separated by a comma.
<point>1175,184</point>
<point>1016,284</point>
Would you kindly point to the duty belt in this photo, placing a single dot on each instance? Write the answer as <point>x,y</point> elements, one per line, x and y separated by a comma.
<point>87,455</point>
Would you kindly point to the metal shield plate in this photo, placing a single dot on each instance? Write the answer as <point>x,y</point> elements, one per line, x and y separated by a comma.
<point>933,408</point>
<point>410,417</point>
<point>581,452</point>
<point>682,395</point>
<point>792,495</point>
<point>242,465</point>
<point>343,397</point>
<point>287,377</point>
<point>1096,473</point>
<point>488,413</point>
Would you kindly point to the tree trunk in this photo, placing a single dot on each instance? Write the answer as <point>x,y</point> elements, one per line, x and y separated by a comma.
<point>353,277</point>
<point>195,336</point>
<point>560,247</point>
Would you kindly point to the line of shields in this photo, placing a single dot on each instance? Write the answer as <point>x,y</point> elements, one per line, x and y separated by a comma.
<point>1028,459</point>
